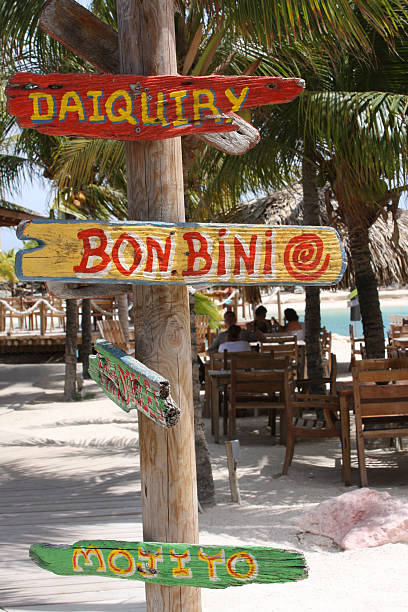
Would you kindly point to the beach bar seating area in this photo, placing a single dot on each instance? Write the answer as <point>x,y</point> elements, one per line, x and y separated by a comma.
<point>37,322</point>
<point>397,337</point>
<point>268,381</point>
<point>364,399</point>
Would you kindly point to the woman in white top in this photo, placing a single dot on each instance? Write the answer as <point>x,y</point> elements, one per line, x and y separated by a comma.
<point>293,326</point>
<point>233,343</point>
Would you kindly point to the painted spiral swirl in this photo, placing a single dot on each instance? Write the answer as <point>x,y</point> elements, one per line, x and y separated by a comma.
<point>303,257</point>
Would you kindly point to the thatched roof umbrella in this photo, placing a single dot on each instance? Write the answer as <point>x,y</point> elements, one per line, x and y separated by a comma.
<point>388,241</point>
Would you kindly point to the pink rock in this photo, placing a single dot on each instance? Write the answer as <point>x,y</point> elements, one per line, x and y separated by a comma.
<point>359,519</point>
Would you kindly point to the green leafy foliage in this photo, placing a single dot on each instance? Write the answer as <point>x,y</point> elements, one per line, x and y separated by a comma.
<point>7,261</point>
<point>204,305</point>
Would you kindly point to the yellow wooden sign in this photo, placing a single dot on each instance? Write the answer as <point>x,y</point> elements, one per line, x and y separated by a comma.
<point>180,253</point>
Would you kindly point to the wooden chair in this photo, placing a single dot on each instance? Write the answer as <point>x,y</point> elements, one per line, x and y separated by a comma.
<point>305,385</point>
<point>201,327</point>
<point>396,331</point>
<point>396,320</point>
<point>280,350</point>
<point>287,339</point>
<point>103,309</point>
<point>395,352</point>
<point>381,396</point>
<point>357,347</point>
<point>283,348</point>
<point>313,415</point>
<point>222,361</point>
<point>310,426</point>
<point>216,362</point>
<point>254,383</point>
<point>111,330</point>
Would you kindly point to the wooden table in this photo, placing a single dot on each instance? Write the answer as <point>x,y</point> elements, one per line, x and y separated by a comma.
<point>218,378</point>
<point>346,396</point>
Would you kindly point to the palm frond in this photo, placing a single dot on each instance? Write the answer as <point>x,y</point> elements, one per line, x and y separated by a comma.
<point>209,52</point>
<point>93,202</point>
<point>80,162</point>
<point>192,50</point>
<point>347,22</point>
<point>13,172</point>
<point>105,10</point>
<point>369,129</point>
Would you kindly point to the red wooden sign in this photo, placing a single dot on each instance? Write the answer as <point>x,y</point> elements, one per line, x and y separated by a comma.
<point>132,107</point>
<point>82,32</point>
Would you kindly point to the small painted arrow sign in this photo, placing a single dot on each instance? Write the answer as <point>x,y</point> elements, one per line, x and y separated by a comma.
<point>130,384</point>
<point>212,567</point>
<point>180,253</point>
<point>132,107</point>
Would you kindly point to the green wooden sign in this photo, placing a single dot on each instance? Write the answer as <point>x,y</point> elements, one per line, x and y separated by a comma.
<point>130,384</point>
<point>212,567</point>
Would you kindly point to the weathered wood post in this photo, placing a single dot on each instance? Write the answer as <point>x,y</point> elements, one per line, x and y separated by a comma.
<point>232,449</point>
<point>86,336</point>
<point>2,318</point>
<point>43,319</point>
<point>162,330</point>
<point>70,349</point>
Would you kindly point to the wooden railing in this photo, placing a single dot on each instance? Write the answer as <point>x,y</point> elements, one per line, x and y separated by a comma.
<point>42,315</point>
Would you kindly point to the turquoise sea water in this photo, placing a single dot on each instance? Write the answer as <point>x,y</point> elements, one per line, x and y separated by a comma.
<point>337,320</point>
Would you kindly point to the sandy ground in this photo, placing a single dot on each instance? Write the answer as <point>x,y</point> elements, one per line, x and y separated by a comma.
<point>38,428</point>
<point>271,505</point>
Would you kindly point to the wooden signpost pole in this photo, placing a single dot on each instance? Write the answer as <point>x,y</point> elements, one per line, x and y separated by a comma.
<point>162,331</point>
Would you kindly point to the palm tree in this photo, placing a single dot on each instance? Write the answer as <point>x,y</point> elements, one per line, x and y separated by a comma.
<point>190,37</point>
<point>342,131</point>
<point>7,274</point>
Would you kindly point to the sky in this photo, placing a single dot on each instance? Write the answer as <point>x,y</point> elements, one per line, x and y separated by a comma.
<point>36,197</point>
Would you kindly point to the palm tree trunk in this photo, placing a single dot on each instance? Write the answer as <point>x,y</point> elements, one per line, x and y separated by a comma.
<point>205,482</point>
<point>86,341</point>
<point>311,216</point>
<point>367,287</point>
<point>71,337</point>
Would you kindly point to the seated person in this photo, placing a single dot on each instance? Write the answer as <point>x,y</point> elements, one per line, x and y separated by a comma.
<point>260,322</point>
<point>234,344</point>
<point>292,325</point>
<point>229,320</point>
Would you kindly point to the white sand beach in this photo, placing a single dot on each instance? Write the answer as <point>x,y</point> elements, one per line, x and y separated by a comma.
<point>338,298</point>
<point>71,470</point>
